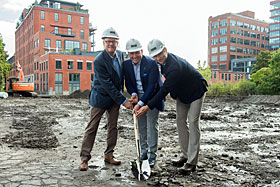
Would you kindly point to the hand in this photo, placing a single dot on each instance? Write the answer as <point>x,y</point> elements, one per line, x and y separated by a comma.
<point>128,105</point>
<point>136,108</point>
<point>134,99</point>
<point>142,110</point>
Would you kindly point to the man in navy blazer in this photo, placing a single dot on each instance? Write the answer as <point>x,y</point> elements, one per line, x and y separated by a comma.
<point>143,81</point>
<point>188,87</point>
<point>106,95</point>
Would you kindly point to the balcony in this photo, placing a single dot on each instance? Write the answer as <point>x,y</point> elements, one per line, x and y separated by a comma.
<point>64,33</point>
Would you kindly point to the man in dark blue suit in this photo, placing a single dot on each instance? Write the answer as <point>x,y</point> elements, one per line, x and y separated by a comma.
<point>188,87</point>
<point>142,81</point>
<point>106,95</point>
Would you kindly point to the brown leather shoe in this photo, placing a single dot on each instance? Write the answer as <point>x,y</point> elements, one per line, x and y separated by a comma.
<point>112,160</point>
<point>83,166</point>
<point>180,162</point>
<point>187,169</point>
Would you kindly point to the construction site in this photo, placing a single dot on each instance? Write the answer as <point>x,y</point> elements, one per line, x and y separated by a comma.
<point>40,142</point>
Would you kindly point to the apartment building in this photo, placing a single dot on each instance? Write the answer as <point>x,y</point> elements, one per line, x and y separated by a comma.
<point>53,47</point>
<point>235,36</point>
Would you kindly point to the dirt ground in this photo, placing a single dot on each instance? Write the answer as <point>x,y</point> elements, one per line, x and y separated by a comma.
<point>240,141</point>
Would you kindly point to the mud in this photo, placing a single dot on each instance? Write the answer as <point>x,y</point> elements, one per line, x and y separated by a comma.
<point>240,143</point>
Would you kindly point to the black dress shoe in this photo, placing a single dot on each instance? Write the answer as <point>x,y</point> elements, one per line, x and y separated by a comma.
<point>180,162</point>
<point>187,169</point>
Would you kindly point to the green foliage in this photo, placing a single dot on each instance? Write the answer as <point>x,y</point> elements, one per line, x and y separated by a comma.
<point>4,65</point>
<point>242,88</point>
<point>267,78</point>
<point>263,60</point>
<point>204,70</point>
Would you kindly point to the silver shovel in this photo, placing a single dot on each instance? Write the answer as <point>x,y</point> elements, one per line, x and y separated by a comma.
<point>140,168</point>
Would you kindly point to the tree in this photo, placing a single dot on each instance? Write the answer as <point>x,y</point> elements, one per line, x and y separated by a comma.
<point>263,60</point>
<point>274,79</point>
<point>4,65</point>
<point>204,70</point>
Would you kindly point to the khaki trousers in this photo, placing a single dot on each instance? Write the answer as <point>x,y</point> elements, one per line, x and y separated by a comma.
<point>92,127</point>
<point>189,135</point>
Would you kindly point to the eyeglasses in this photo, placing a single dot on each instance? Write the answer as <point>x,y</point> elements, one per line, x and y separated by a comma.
<point>110,41</point>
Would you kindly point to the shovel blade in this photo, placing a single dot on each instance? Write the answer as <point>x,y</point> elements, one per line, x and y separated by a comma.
<point>146,170</point>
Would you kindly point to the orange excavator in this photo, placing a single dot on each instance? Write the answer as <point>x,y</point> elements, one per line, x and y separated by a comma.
<point>17,85</point>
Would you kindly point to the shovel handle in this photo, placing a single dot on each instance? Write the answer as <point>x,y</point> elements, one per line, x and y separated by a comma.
<point>136,130</point>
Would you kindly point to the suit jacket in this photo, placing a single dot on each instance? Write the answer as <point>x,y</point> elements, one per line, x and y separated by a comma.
<point>107,85</point>
<point>182,81</point>
<point>150,78</point>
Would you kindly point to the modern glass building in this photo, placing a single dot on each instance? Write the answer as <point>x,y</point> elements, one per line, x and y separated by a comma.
<point>274,26</point>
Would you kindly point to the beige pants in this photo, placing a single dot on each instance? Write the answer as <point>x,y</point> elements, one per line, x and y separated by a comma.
<point>92,127</point>
<point>189,135</point>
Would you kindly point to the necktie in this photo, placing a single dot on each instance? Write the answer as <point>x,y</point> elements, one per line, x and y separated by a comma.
<point>117,66</point>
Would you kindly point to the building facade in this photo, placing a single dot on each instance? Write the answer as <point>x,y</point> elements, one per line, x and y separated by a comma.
<point>274,26</point>
<point>234,36</point>
<point>53,47</point>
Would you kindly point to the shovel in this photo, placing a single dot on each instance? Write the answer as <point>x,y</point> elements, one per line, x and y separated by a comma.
<point>140,168</point>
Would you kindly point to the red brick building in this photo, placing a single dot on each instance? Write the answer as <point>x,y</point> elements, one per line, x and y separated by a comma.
<point>53,47</point>
<point>234,36</point>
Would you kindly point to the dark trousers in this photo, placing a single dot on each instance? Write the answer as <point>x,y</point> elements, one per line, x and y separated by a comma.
<point>92,127</point>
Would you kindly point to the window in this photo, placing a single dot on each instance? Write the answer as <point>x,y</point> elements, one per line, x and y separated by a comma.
<point>246,51</point>
<point>232,49</point>
<point>214,25</point>
<point>223,49</point>
<point>240,24</point>
<point>253,43</point>
<point>70,44</point>
<point>56,30</point>
<point>246,26</point>
<point>58,65</point>
<point>214,50</point>
<point>214,33</point>
<point>247,33</point>
<point>70,65</point>
<point>56,17</point>
<point>89,66</point>
<point>232,40</point>
<point>223,57</point>
<point>233,23</point>
<point>239,49</point>
<point>223,31</point>
<point>223,40</point>
<point>82,20</point>
<point>69,31</point>
<point>253,27</point>
<point>69,19</point>
<point>246,42</point>
<point>58,83</point>
<point>82,34</point>
<point>253,51</point>
<point>229,77</point>
<point>84,46</point>
<point>42,28</point>
<point>214,41</point>
<point>214,58</point>
<point>79,65</point>
<point>232,31</point>
<point>58,44</point>
<point>74,82</point>
<point>239,32</point>
<point>42,15</point>
<point>240,41</point>
<point>47,43</point>
<point>223,23</point>
<point>253,35</point>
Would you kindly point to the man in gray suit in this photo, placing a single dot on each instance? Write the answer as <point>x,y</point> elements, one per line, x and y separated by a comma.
<point>105,96</point>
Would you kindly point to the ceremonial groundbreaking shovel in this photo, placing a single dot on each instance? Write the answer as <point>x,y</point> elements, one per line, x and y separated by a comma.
<point>140,168</point>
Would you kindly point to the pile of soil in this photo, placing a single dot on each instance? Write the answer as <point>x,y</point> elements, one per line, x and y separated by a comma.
<point>80,94</point>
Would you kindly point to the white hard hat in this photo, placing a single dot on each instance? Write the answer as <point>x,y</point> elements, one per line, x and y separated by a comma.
<point>110,33</point>
<point>155,47</point>
<point>133,45</point>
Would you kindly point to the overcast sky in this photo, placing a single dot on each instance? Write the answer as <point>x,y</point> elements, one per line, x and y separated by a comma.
<point>181,24</point>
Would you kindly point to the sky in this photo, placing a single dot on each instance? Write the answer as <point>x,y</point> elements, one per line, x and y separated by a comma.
<point>181,24</point>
